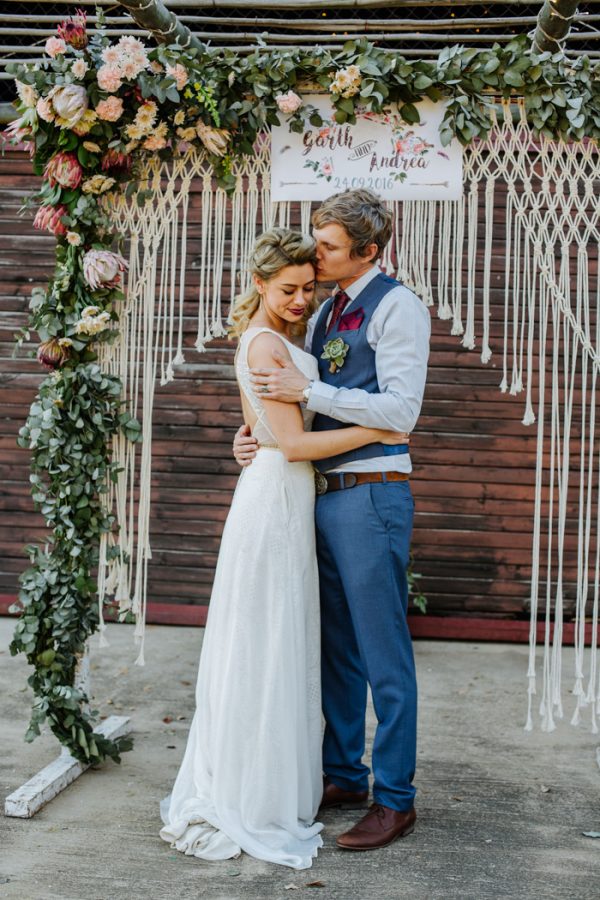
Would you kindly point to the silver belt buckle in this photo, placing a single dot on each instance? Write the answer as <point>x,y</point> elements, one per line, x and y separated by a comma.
<point>320,483</point>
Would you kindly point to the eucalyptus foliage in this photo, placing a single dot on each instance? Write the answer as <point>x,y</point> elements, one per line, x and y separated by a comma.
<point>68,431</point>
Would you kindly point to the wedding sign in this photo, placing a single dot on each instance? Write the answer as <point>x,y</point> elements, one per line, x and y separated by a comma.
<point>382,152</point>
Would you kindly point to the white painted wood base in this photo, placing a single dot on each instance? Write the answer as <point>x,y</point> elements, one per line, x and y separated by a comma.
<point>54,778</point>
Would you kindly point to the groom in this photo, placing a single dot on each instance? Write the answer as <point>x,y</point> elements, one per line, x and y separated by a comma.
<point>364,514</point>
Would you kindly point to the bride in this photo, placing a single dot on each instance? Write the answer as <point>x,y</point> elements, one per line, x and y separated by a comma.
<point>251,775</point>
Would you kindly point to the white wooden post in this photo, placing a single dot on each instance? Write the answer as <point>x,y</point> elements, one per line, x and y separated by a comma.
<point>54,778</point>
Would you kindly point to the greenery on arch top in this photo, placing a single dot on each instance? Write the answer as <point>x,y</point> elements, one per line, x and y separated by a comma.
<point>90,112</point>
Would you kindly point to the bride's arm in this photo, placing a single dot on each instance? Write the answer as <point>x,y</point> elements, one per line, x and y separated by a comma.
<point>285,419</point>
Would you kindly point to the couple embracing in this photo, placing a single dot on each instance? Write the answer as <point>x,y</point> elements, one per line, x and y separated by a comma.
<point>310,596</point>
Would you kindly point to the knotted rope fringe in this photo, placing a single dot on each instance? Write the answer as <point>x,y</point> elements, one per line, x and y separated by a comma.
<point>550,349</point>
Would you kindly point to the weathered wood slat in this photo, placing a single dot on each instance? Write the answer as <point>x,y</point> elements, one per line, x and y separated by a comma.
<point>474,461</point>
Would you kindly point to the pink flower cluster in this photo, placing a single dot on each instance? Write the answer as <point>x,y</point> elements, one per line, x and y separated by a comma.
<point>122,61</point>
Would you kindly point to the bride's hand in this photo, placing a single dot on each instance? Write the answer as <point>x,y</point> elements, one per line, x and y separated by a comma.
<point>244,446</point>
<point>393,438</point>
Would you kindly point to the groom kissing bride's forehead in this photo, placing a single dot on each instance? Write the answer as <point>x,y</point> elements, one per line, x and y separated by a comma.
<point>351,231</point>
<point>371,342</point>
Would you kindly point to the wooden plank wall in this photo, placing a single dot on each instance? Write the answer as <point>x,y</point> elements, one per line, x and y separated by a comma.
<point>474,461</point>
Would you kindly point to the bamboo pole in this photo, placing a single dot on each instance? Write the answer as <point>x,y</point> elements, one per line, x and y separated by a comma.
<point>553,25</point>
<point>324,24</point>
<point>425,25</point>
<point>162,24</point>
<point>306,40</point>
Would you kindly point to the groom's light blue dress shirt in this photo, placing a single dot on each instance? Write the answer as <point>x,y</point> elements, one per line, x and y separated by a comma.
<point>399,333</point>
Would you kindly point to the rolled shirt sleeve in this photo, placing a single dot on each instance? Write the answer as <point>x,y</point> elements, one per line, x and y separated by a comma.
<point>399,333</point>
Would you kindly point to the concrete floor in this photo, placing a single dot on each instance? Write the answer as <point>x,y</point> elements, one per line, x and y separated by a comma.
<point>501,812</point>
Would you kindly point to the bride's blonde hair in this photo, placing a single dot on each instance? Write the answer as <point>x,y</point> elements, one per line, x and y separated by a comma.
<point>274,250</point>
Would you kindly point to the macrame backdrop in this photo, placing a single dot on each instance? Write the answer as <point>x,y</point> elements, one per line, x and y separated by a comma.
<point>547,194</point>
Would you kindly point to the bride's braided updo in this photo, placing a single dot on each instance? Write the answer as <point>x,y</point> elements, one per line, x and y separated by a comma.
<point>274,250</point>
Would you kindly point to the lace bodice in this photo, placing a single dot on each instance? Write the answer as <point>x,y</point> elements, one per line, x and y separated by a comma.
<point>304,361</point>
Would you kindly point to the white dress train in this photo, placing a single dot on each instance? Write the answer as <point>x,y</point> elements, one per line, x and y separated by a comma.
<point>251,776</point>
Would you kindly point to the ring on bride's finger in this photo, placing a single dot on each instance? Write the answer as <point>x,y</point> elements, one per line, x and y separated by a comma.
<point>264,389</point>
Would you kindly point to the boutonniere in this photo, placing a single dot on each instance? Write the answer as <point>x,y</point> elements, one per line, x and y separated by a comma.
<point>335,351</point>
<point>352,320</point>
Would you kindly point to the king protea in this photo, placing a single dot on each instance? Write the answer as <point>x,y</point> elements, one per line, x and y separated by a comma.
<point>64,169</point>
<point>49,218</point>
<point>73,30</point>
<point>103,268</point>
<point>54,352</point>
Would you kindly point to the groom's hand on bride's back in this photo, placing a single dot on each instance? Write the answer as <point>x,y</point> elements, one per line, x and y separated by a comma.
<point>244,446</point>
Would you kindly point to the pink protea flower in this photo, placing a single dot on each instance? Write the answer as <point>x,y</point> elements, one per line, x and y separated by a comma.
<point>64,169</point>
<point>116,163</point>
<point>17,131</point>
<point>54,352</point>
<point>55,47</point>
<point>48,218</point>
<point>288,103</point>
<point>110,110</point>
<point>73,30</point>
<point>103,268</point>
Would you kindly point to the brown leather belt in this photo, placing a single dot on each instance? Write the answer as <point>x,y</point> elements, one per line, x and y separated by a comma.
<point>342,480</point>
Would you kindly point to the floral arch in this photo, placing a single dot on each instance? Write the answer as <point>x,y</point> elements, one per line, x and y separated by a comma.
<point>118,131</point>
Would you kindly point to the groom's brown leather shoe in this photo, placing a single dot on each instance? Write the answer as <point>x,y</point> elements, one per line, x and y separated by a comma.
<point>378,828</point>
<point>335,797</point>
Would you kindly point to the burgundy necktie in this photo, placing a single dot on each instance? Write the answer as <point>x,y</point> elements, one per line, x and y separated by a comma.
<point>339,301</point>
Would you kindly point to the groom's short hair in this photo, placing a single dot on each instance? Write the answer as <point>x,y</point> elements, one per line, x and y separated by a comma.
<point>362,214</point>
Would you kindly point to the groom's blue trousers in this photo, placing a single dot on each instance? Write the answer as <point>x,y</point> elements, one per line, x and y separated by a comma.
<point>363,539</point>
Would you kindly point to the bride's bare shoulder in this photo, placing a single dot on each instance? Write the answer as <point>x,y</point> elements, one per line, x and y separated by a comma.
<point>260,350</point>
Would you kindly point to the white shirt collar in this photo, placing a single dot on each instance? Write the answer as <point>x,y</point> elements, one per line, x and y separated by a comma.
<point>360,284</point>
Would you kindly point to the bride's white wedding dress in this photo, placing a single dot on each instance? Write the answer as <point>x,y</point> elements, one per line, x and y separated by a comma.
<point>251,777</point>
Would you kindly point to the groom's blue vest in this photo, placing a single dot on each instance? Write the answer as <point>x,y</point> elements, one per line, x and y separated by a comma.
<point>358,371</point>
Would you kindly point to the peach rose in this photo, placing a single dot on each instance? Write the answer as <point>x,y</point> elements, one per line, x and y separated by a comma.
<point>110,110</point>
<point>288,103</point>
<point>55,47</point>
